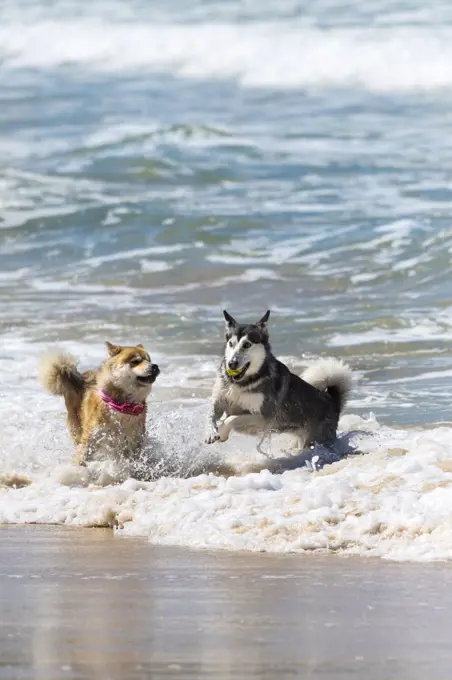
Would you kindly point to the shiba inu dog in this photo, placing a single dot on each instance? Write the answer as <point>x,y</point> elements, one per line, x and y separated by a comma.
<point>106,409</point>
<point>257,394</point>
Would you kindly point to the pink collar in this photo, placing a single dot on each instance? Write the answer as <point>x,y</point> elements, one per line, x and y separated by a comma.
<point>129,409</point>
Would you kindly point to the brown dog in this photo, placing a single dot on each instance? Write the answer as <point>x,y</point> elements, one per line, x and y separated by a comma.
<point>106,409</point>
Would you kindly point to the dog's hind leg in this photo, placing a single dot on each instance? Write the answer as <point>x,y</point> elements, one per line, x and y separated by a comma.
<point>300,439</point>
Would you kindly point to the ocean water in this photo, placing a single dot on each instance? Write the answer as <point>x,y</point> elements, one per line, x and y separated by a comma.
<point>161,161</point>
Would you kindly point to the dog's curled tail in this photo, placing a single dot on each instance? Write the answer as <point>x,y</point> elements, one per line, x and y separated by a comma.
<point>59,374</point>
<point>333,376</point>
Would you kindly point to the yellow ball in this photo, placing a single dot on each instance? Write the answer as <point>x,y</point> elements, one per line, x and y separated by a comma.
<point>230,371</point>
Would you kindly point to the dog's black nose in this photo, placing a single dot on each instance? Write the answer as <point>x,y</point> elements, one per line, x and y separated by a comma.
<point>233,363</point>
<point>155,371</point>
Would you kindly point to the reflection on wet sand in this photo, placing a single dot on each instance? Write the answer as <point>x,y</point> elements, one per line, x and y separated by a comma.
<point>86,604</point>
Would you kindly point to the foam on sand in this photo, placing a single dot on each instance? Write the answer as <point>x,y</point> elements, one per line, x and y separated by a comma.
<point>394,502</point>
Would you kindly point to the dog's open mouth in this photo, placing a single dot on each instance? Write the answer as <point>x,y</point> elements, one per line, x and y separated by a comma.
<point>146,379</point>
<point>149,378</point>
<point>237,374</point>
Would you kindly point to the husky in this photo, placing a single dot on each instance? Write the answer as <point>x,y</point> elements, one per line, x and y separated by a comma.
<point>106,409</point>
<point>254,393</point>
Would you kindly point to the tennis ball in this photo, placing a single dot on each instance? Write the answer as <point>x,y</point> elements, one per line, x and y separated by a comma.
<point>232,372</point>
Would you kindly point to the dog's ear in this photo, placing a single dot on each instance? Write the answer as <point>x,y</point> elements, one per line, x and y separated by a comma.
<point>230,321</point>
<point>140,346</point>
<point>263,322</point>
<point>112,350</point>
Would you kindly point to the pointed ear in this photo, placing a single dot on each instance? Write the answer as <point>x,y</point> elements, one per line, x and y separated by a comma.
<point>140,346</point>
<point>230,321</point>
<point>263,321</point>
<point>112,350</point>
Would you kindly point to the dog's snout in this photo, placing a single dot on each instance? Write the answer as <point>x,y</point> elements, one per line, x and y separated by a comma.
<point>155,370</point>
<point>233,364</point>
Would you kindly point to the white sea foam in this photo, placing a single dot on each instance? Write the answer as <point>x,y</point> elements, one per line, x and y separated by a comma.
<point>393,501</point>
<point>277,55</point>
<point>415,331</point>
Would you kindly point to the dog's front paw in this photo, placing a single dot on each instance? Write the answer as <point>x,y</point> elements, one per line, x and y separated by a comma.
<point>223,431</point>
<point>212,437</point>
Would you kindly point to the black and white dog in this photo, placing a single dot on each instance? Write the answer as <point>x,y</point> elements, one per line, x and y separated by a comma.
<point>254,393</point>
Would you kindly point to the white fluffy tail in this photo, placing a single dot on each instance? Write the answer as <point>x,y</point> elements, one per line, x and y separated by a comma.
<point>332,376</point>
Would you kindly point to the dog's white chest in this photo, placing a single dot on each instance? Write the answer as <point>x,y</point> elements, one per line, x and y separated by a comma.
<point>248,401</point>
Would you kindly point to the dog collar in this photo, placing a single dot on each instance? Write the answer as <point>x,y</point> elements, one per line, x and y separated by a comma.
<point>128,408</point>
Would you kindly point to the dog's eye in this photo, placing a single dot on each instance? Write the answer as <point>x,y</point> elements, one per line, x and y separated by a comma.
<point>246,345</point>
<point>135,362</point>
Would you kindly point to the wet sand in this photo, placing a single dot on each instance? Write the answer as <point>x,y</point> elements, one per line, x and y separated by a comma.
<point>83,603</point>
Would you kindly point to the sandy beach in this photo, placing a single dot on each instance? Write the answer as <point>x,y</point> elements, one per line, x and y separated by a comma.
<point>84,603</point>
